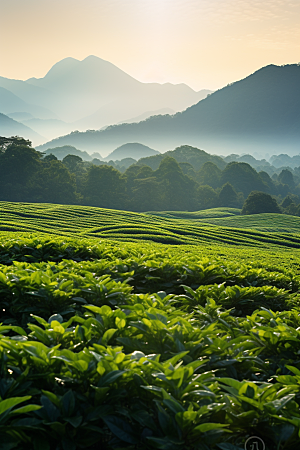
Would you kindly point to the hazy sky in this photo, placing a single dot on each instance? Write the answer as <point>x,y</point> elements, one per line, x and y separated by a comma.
<point>204,43</point>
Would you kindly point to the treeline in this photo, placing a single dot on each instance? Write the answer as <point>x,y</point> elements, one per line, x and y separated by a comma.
<point>26,175</point>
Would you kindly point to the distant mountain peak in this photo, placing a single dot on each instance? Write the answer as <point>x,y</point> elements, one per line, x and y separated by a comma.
<point>259,113</point>
<point>133,150</point>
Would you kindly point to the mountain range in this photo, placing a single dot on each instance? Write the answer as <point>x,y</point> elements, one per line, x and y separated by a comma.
<point>259,113</point>
<point>89,94</point>
<point>10,127</point>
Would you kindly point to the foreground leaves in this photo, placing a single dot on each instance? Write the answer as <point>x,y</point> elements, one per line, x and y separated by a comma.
<point>137,353</point>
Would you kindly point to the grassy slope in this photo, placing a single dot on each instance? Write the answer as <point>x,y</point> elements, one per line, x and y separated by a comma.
<point>268,236</point>
<point>264,231</point>
<point>206,213</point>
<point>58,268</point>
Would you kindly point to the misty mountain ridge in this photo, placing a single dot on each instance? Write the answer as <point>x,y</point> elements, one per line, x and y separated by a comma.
<point>185,155</point>
<point>258,113</point>
<point>62,152</point>
<point>10,127</point>
<point>131,150</point>
<point>93,93</point>
<point>11,103</point>
<point>148,114</point>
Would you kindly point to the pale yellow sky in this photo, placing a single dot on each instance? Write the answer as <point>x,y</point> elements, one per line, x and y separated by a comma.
<point>203,43</point>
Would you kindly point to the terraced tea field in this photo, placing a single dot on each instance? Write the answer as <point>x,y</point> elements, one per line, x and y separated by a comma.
<point>263,231</point>
<point>203,214</point>
<point>266,223</point>
<point>112,339</point>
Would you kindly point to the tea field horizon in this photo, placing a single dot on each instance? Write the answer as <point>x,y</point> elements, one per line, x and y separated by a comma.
<point>160,330</point>
<point>218,225</point>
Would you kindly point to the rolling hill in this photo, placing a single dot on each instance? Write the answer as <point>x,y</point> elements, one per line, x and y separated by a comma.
<point>262,231</point>
<point>258,113</point>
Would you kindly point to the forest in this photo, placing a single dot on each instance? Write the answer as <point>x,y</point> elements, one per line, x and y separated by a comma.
<point>27,175</point>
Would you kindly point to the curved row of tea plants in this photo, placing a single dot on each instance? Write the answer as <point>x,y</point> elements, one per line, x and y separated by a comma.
<point>183,228</point>
<point>139,346</point>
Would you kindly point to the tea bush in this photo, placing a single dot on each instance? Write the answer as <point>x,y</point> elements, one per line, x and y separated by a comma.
<point>140,346</point>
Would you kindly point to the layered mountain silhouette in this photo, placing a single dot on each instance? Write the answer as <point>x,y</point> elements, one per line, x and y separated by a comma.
<point>10,127</point>
<point>148,114</point>
<point>94,93</point>
<point>260,112</point>
<point>131,150</point>
<point>62,152</point>
<point>11,103</point>
<point>90,94</point>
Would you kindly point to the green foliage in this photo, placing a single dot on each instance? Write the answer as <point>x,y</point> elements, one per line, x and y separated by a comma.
<point>144,347</point>
<point>53,183</point>
<point>260,202</point>
<point>264,231</point>
<point>72,162</point>
<point>209,174</point>
<point>178,189</point>
<point>206,197</point>
<point>104,187</point>
<point>169,181</point>
<point>271,187</point>
<point>228,197</point>
<point>286,177</point>
<point>243,178</point>
<point>187,154</point>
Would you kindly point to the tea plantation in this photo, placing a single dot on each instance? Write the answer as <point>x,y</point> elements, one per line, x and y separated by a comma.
<point>131,331</point>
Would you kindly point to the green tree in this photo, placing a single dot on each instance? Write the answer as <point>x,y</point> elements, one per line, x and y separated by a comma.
<point>18,163</point>
<point>5,142</point>
<point>179,189</point>
<point>105,187</point>
<point>228,196</point>
<point>49,158</point>
<point>286,177</point>
<point>72,162</point>
<point>130,175</point>
<point>53,183</point>
<point>147,194</point>
<point>286,201</point>
<point>267,180</point>
<point>206,197</point>
<point>210,175</point>
<point>243,178</point>
<point>260,202</point>
<point>188,170</point>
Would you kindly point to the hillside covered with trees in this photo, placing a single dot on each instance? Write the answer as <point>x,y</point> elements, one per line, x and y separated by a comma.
<point>187,179</point>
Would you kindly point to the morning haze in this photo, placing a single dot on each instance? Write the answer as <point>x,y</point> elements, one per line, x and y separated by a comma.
<point>149,224</point>
<point>97,75</point>
<point>205,44</point>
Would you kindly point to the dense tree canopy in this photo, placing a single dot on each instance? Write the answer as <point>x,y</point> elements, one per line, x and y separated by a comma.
<point>27,175</point>
<point>105,187</point>
<point>286,177</point>
<point>53,183</point>
<point>177,186</point>
<point>243,178</point>
<point>209,174</point>
<point>260,202</point>
<point>206,197</point>
<point>228,196</point>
